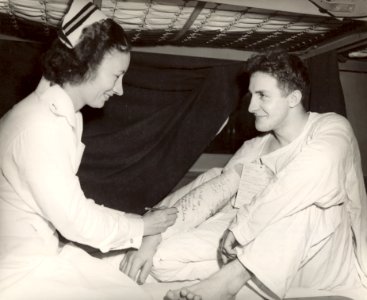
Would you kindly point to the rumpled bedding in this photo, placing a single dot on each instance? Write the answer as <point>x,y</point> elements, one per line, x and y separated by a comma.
<point>158,290</point>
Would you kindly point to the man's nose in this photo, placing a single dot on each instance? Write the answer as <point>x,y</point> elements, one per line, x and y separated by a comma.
<point>118,89</point>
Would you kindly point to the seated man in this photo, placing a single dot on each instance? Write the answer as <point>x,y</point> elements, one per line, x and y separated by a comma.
<point>290,205</point>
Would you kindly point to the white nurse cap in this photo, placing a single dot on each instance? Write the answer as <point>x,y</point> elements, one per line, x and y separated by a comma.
<point>81,14</point>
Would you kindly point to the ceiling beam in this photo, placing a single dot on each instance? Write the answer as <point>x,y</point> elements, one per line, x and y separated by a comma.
<point>217,53</point>
<point>293,6</point>
<point>343,42</point>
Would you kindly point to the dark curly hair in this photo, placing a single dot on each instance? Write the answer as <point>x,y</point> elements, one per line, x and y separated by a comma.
<point>76,65</point>
<point>288,69</point>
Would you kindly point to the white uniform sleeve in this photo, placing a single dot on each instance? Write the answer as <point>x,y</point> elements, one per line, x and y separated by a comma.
<point>42,169</point>
<point>314,177</point>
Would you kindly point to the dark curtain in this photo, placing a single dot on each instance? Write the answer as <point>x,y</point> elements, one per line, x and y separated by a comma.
<point>142,143</point>
<point>20,71</point>
<point>326,90</point>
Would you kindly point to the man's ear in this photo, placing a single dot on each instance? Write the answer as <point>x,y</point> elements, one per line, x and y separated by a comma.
<point>294,98</point>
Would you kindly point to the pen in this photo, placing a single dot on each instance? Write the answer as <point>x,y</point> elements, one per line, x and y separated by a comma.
<point>152,208</point>
<point>155,208</point>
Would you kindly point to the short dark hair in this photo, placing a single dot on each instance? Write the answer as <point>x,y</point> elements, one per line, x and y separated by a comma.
<point>76,65</point>
<point>288,69</point>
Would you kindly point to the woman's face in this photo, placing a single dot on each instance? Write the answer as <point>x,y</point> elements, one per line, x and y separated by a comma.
<point>108,79</point>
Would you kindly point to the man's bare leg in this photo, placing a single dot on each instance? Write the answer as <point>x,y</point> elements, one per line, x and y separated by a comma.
<point>222,285</point>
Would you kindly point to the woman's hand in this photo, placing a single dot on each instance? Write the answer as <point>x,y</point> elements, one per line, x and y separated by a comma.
<point>138,263</point>
<point>227,251</point>
<point>157,220</point>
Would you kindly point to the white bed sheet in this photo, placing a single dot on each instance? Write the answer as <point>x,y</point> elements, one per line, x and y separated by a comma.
<point>159,290</point>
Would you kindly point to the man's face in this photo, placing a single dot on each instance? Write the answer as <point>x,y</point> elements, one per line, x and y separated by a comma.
<point>268,103</point>
<point>108,79</point>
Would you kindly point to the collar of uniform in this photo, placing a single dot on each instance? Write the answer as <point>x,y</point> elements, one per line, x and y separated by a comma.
<point>59,103</point>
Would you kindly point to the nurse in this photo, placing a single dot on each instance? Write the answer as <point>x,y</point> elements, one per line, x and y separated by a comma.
<point>40,193</point>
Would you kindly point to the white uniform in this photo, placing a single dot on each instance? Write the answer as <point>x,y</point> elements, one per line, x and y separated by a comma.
<point>299,207</point>
<point>40,152</point>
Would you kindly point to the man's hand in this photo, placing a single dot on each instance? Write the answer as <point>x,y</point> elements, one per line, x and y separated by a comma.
<point>138,263</point>
<point>227,247</point>
<point>158,220</point>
